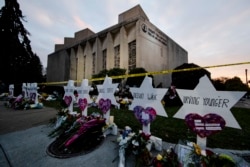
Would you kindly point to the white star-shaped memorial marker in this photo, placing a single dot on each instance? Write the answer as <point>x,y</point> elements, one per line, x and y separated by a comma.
<point>147,96</point>
<point>83,90</point>
<point>205,99</point>
<point>107,90</point>
<point>69,92</point>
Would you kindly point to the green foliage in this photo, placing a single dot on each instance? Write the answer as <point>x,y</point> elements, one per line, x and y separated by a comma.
<point>102,73</point>
<point>136,81</point>
<point>111,72</point>
<point>230,84</point>
<point>219,83</point>
<point>188,79</point>
<point>116,72</point>
<point>235,84</point>
<point>18,63</point>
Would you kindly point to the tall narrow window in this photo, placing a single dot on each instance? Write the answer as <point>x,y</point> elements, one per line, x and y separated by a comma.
<point>117,56</point>
<point>84,66</point>
<point>132,55</point>
<point>93,63</point>
<point>104,59</point>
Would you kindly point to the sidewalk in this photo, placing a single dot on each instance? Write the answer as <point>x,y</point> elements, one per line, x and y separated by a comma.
<point>244,103</point>
<point>26,146</point>
<point>15,120</point>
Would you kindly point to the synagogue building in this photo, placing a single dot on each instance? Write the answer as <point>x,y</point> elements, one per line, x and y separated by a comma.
<point>134,42</point>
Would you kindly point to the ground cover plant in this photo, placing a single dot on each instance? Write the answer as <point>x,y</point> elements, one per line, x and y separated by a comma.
<point>173,130</point>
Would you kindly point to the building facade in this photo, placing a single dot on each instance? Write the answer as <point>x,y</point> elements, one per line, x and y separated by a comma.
<point>132,43</point>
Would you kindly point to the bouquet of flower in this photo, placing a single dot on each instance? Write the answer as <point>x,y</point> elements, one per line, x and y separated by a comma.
<point>63,122</point>
<point>93,103</point>
<point>207,158</point>
<point>123,97</point>
<point>167,158</point>
<point>125,101</point>
<point>131,143</point>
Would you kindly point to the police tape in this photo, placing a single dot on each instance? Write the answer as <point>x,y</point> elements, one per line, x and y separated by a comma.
<point>149,73</point>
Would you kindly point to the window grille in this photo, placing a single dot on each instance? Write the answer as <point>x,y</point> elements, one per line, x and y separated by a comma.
<point>117,56</point>
<point>132,55</point>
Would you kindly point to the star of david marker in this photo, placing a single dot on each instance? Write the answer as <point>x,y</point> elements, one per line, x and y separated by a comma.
<point>83,96</point>
<point>25,90</point>
<point>106,91</point>
<point>33,92</point>
<point>69,97</point>
<point>204,101</point>
<point>147,96</point>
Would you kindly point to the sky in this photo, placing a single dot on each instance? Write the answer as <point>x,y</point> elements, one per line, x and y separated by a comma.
<point>213,32</point>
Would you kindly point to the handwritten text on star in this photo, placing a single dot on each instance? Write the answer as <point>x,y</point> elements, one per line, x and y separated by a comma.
<point>149,96</point>
<point>109,90</point>
<point>206,101</point>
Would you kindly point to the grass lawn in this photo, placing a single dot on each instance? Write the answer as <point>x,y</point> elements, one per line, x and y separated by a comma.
<point>172,130</point>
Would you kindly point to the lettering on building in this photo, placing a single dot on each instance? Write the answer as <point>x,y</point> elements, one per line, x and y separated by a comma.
<point>154,34</point>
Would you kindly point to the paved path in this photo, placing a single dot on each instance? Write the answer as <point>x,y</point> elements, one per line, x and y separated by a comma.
<point>244,103</point>
<point>15,120</point>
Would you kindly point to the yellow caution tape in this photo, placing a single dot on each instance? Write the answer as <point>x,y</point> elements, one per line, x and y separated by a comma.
<point>148,73</point>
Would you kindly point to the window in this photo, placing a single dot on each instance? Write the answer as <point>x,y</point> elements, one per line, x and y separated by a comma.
<point>93,63</point>
<point>84,66</point>
<point>132,55</point>
<point>104,59</point>
<point>117,56</point>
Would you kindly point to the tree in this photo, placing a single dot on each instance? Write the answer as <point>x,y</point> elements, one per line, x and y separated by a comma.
<point>117,72</point>
<point>235,84</point>
<point>137,81</point>
<point>190,78</point>
<point>18,63</point>
<point>110,73</point>
<point>186,79</point>
<point>229,84</point>
<point>219,83</point>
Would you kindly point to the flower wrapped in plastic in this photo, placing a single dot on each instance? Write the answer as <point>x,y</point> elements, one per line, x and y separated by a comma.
<point>207,158</point>
<point>167,158</point>
<point>123,96</point>
<point>136,144</point>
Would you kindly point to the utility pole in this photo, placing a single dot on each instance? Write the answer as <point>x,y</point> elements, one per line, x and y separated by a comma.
<point>246,77</point>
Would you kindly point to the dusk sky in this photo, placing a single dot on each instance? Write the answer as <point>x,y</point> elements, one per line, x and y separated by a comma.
<point>213,32</point>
